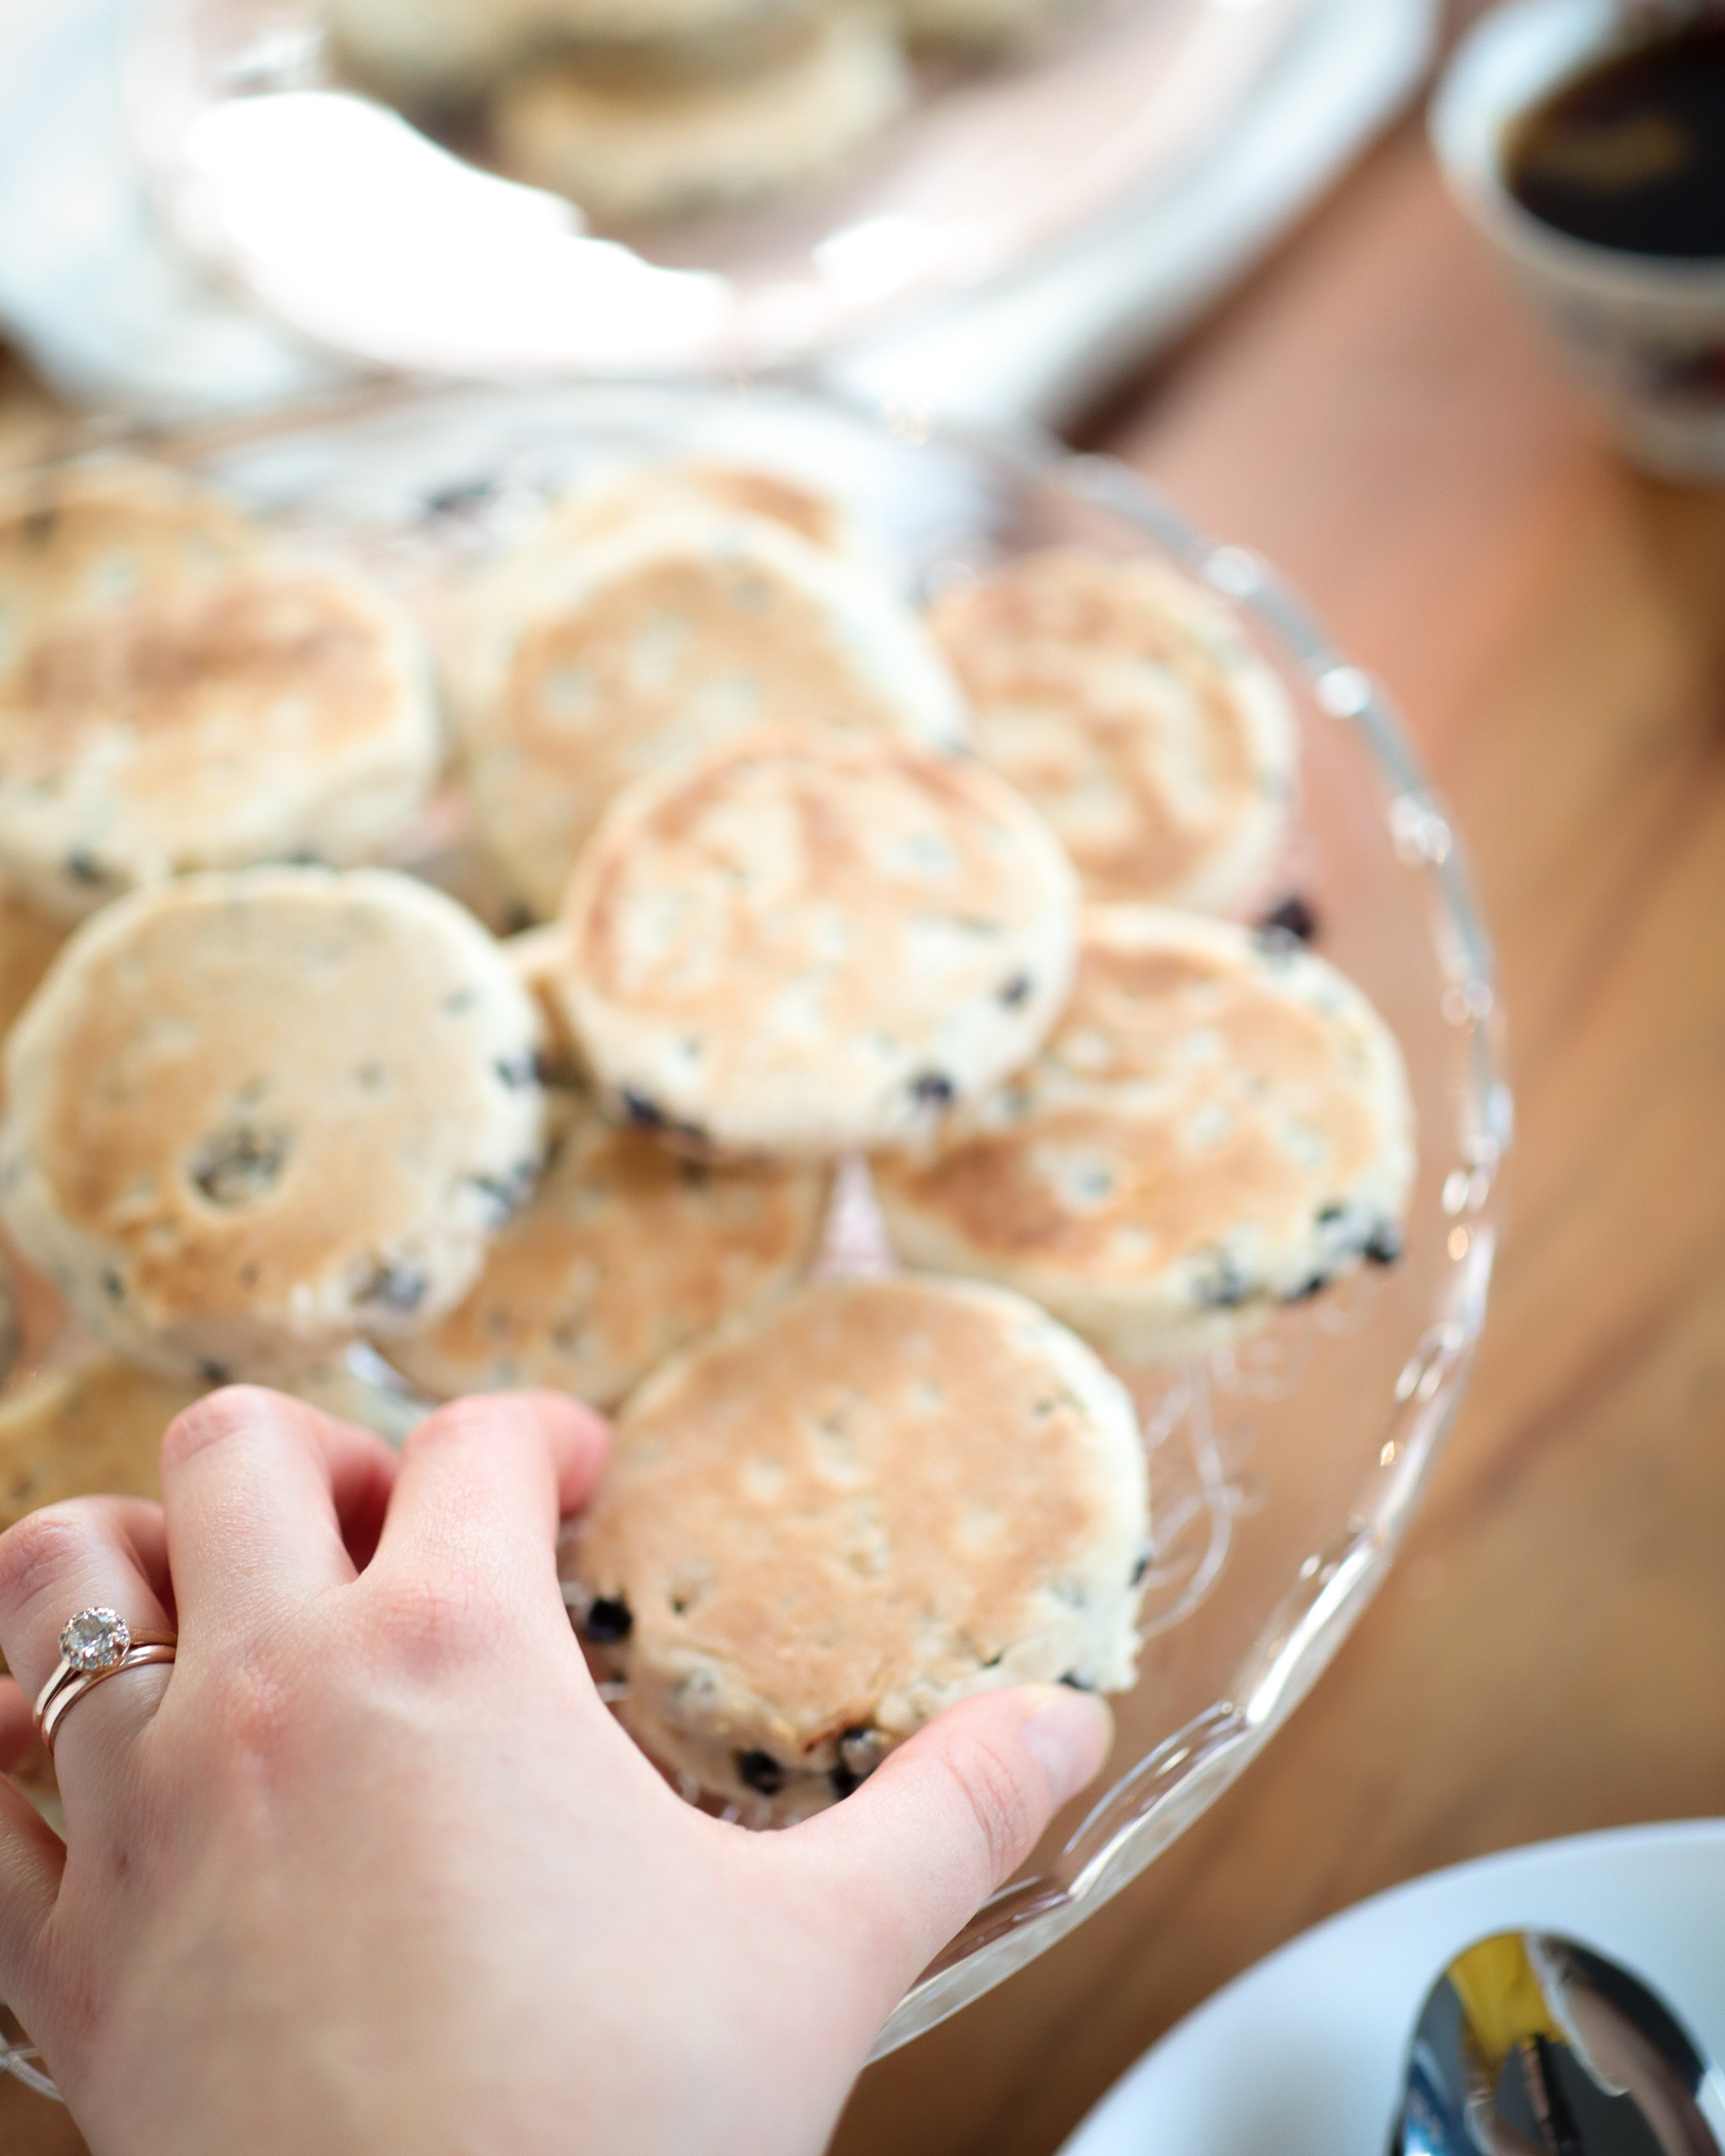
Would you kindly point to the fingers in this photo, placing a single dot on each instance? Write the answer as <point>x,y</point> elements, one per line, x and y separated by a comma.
<point>267,1502</point>
<point>89,1553</point>
<point>483,1485</point>
<point>951,1815</point>
<point>32,1858</point>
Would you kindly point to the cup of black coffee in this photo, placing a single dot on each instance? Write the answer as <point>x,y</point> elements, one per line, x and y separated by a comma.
<point>1586,138</point>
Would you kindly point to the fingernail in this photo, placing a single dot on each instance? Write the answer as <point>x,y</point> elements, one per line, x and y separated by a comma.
<point>1070,1732</point>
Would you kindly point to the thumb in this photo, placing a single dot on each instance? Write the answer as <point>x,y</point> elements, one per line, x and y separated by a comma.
<point>951,1815</point>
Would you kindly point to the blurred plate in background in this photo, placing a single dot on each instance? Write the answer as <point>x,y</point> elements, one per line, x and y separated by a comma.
<point>360,231</point>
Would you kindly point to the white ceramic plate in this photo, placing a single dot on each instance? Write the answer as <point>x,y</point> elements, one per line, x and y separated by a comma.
<point>362,233</point>
<point>1302,2056</point>
<point>112,311</point>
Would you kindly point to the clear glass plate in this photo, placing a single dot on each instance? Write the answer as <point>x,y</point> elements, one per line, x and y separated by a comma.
<point>362,233</point>
<point>1284,1470</point>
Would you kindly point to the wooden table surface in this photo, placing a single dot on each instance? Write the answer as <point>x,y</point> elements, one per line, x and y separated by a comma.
<point>1376,414</point>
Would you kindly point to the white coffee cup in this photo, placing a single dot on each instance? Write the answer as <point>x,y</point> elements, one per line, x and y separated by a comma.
<point>1646,333</point>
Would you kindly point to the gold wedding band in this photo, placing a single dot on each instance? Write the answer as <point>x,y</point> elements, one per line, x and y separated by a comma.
<point>95,1645</point>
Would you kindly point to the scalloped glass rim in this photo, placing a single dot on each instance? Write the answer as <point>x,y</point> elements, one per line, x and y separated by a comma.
<point>413,478</point>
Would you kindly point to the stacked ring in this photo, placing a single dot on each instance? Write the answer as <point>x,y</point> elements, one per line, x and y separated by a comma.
<point>95,1645</point>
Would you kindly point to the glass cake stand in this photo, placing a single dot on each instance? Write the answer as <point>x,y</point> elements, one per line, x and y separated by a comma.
<point>1284,1469</point>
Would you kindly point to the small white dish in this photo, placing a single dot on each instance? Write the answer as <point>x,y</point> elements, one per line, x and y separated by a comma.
<point>113,311</point>
<point>1645,333</point>
<point>371,240</point>
<point>1302,2056</point>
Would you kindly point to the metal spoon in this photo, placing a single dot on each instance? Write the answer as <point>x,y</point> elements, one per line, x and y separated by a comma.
<point>1529,2045</point>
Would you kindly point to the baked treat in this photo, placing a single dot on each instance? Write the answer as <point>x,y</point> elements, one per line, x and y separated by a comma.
<point>249,1117</point>
<point>610,504</point>
<point>82,539</point>
<point>829,1521</point>
<point>801,944</point>
<point>1132,709</point>
<point>92,1431</point>
<point>622,1254</point>
<point>589,666</point>
<point>659,142</point>
<point>1220,1124</point>
<point>273,712</point>
<point>429,53</point>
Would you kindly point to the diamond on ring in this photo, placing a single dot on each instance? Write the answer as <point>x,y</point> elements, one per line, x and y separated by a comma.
<point>95,1640</point>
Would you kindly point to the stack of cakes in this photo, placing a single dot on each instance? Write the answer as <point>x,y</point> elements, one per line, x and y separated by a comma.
<point>806,880</point>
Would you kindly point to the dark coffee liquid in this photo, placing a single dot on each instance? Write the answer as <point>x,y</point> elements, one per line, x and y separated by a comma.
<point>1632,154</point>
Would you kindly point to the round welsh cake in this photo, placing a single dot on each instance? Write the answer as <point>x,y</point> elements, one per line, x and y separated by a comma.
<point>661,140</point>
<point>273,712</point>
<point>623,1254</point>
<point>589,664</point>
<point>249,1117</point>
<point>829,1521</point>
<point>1130,707</point>
<point>1220,1124</point>
<point>803,944</point>
<point>83,540</point>
<point>612,503</point>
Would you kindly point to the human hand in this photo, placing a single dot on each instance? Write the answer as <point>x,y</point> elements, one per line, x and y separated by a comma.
<point>372,1868</point>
